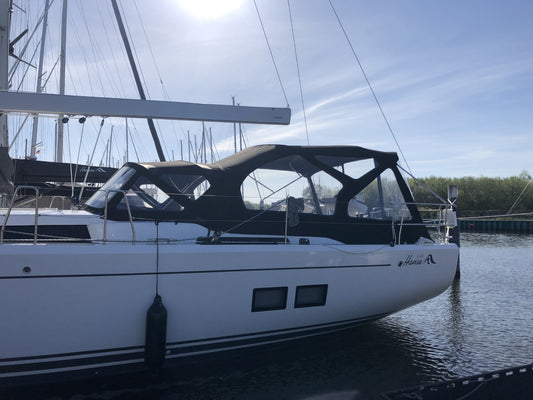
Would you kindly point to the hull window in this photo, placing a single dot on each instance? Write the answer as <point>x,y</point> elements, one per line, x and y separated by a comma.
<point>311,296</point>
<point>267,299</point>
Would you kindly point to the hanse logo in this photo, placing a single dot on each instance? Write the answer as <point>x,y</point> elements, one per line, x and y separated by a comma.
<point>417,259</point>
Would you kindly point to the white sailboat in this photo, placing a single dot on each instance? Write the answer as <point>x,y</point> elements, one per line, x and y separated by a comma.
<point>176,260</point>
<point>231,273</point>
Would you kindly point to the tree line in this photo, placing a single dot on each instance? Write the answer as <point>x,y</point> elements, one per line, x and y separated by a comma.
<point>480,196</point>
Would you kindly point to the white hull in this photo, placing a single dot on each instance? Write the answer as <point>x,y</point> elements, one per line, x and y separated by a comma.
<point>83,306</point>
<point>232,272</point>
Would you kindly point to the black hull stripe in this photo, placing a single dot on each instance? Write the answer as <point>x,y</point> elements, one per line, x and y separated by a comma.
<point>266,339</point>
<point>124,357</point>
<point>325,325</point>
<point>71,363</point>
<point>76,354</point>
<point>204,340</point>
<point>194,272</point>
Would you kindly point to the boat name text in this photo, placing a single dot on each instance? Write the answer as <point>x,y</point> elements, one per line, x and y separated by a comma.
<point>417,259</point>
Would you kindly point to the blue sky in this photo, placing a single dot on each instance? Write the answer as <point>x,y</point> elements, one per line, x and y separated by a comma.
<point>454,78</point>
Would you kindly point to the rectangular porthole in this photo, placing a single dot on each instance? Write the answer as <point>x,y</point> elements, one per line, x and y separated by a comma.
<point>266,299</point>
<point>310,296</point>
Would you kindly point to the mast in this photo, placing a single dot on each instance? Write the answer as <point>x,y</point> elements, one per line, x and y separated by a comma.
<point>110,144</point>
<point>6,165</point>
<point>234,128</point>
<point>39,88</point>
<point>59,145</point>
<point>151,125</point>
<point>127,143</point>
<point>5,17</point>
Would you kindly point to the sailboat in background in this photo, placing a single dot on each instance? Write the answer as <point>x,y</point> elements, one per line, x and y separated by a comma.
<point>52,178</point>
<point>70,179</point>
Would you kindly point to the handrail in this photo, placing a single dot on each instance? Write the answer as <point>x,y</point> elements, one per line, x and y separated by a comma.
<point>127,207</point>
<point>443,220</point>
<point>11,207</point>
<point>60,198</point>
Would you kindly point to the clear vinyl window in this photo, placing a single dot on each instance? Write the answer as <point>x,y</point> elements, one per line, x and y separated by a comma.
<point>269,187</point>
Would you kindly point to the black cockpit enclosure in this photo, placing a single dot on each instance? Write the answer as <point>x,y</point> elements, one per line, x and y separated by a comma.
<point>346,193</point>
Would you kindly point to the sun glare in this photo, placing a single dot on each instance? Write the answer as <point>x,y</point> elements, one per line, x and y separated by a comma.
<point>210,9</point>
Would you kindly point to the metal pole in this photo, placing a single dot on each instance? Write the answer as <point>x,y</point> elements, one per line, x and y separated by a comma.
<point>39,88</point>
<point>5,18</point>
<point>211,145</point>
<point>204,140</point>
<point>234,130</point>
<point>127,143</point>
<point>59,145</point>
<point>110,144</point>
<point>189,145</point>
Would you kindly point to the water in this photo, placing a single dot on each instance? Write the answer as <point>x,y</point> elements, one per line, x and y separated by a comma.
<point>482,323</point>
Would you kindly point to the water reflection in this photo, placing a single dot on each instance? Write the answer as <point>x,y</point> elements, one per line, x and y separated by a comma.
<point>496,240</point>
<point>455,328</point>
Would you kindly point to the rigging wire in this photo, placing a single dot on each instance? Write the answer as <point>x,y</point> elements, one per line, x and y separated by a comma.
<point>423,185</point>
<point>94,70</point>
<point>165,93</point>
<point>25,47</point>
<point>148,42</point>
<point>163,87</point>
<point>93,48</point>
<point>85,65</point>
<point>134,134</point>
<point>70,163</point>
<point>79,149</point>
<point>134,129</point>
<point>89,163</point>
<point>164,148</point>
<point>114,86</point>
<point>134,51</point>
<point>369,84</point>
<point>26,68</point>
<point>20,75</point>
<point>298,70</point>
<point>271,54</point>
<point>519,197</point>
<point>109,38</point>
<point>50,74</point>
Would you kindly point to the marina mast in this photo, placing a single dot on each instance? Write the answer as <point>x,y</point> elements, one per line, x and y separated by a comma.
<point>5,17</point>
<point>59,146</point>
